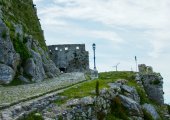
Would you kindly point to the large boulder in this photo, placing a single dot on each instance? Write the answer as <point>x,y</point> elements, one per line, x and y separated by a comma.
<point>151,110</point>
<point>6,74</point>
<point>130,92</point>
<point>8,55</point>
<point>34,67</point>
<point>50,68</point>
<point>132,106</point>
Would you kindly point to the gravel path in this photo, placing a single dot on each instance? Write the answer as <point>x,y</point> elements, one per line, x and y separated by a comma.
<point>14,94</point>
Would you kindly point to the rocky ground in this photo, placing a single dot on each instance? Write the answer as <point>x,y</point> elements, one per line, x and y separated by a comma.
<point>13,94</point>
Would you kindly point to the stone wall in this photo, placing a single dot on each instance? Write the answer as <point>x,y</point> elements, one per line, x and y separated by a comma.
<point>70,57</point>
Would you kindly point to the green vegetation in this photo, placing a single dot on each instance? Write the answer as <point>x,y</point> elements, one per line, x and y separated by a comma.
<point>168,108</point>
<point>33,116</point>
<point>4,35</point>
<point>85,89</point>
<point>147,116</point>
<point>155,82</point>
<point>97,88</point>
<point>118,110</point>
<point>21,48</point>
<point>24,13</point>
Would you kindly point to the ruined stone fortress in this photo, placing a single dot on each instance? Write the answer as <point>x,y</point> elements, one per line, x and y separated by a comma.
<point>70,57</point>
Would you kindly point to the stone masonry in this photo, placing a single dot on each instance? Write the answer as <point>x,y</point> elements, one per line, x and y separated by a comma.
<point>70,57</point>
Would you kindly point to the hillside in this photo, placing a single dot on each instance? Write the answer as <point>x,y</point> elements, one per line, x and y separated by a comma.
<point>24,56</point>
<point>113,96</point>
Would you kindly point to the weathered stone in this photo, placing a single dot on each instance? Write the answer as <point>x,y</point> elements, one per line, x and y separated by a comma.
<point>23,79</point>
<point>133,107</point>
<point>115,86</point>
<point>130,92</point>
<point>87,100</point>
<point>6,74</point>
<point>151,110</point>
<point>50,67</point>
<point>70,57</point>
<point>34,67</point>
<point>73,102</point>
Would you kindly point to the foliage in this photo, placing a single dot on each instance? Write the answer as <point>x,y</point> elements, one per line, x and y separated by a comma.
<point>155,82</point>
<point>21,49</point>
<point>118,110</point>
<point>142,95</point>
<point>97,88</point>
<point>33,116</point>
<point>147,116</point>
<point>4,35</point>
<point>23,13</point>
<point>85,89</point>
<point>168,106</point>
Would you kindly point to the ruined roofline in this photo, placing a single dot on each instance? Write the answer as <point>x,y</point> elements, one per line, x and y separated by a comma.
<point>67,47</point>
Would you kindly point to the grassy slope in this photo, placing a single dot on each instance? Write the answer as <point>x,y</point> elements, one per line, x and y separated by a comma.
<point>23,12</point>
<point>104,78</point>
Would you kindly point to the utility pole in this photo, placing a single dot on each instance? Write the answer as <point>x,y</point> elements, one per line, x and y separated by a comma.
<point>94,48</point>
<point>136,63</point>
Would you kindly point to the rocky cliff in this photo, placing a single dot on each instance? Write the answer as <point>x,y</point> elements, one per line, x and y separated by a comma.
<point>23,52</point>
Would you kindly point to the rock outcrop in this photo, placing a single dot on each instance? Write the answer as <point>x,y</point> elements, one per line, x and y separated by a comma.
<point>152,82</point>
<point>23,52</point>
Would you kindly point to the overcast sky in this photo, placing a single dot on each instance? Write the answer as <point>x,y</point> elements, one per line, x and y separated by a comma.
<point>121,30</point>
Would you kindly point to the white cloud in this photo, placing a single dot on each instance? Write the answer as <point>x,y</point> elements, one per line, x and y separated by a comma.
<point>150,18</point>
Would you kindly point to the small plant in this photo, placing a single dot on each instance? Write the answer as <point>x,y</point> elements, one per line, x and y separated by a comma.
<point>155,82</point>
<point>168,106</point>
<point>147,116</point>
<point>33,116</point>
<point>118,110</point>
<point>97,88</point>
<point>4,35</point>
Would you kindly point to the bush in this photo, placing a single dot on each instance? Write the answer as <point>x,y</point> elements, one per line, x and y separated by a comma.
<point>4,35</point>
<point>118,110</point>
<point>33,116</point>
<point>168,106</point>
<point>142,95</point>
<point>147,116</point>
<point>21,49</point>
<point>97,88</point>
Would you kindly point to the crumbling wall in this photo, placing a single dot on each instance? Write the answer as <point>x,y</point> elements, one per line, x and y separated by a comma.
<point>70,57</point>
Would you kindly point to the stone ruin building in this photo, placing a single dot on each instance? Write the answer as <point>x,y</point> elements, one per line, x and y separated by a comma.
<point>70,57</point>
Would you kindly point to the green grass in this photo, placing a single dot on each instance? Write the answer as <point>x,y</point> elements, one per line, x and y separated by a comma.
<point>86,88</point>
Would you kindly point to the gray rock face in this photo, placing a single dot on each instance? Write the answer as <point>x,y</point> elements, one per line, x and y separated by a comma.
<point>151,110</point>
<point>133,107</point>
<point>41,66</point>
<point>130,92</point>
<point>34,67</point>
<point>6,74</point>
<point>50,68</point>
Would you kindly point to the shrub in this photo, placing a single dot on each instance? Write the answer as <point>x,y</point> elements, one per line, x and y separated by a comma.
<point>142,95</point>
<point>147,116</point>
<point>33,116</point>
<point>4,35</point>
<point>168,106</point>
<point>97,88</point>
<point>21,49</point>
<point>118,110</point>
